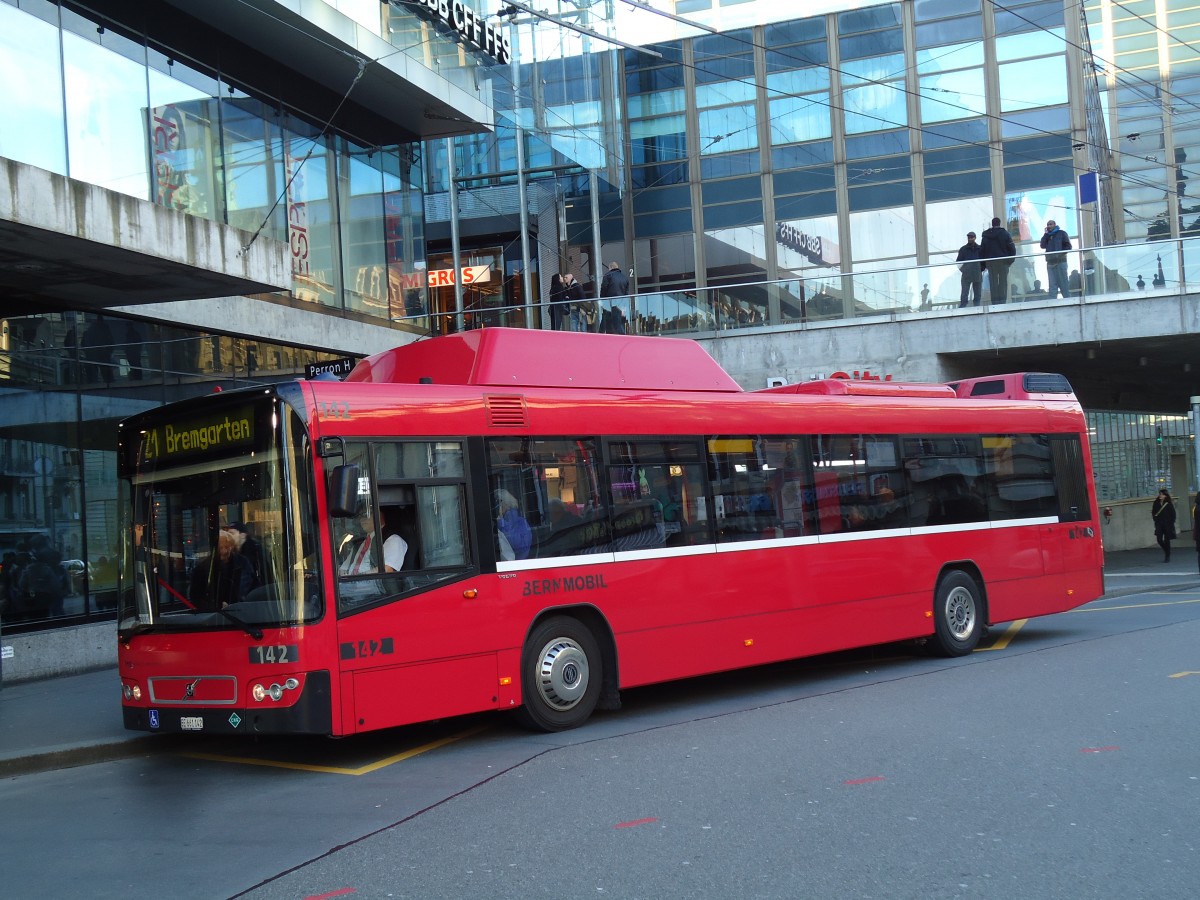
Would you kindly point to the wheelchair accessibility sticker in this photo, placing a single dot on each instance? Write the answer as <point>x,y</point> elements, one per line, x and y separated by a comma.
<point>154,718</point>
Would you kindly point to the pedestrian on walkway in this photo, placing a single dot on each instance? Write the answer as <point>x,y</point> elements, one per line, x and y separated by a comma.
<point>970,259</point>
<point>997,247</point>
<point>578,304</point>
<point>1055,242</point>
<point>558,302</point>
<point>1163,513</point>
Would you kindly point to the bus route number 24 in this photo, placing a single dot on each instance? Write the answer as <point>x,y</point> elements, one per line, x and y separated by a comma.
<point>274,653</point>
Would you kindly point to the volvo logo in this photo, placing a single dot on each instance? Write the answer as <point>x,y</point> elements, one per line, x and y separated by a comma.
<point>190,692</point>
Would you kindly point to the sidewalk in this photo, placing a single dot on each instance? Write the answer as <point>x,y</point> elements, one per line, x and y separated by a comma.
<point>76,720</point>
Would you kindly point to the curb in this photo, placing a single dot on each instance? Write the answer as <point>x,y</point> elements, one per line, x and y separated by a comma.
<point>81,755</point>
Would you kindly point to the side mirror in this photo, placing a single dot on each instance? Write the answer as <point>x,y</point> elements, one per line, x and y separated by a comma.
<point>343,491</point>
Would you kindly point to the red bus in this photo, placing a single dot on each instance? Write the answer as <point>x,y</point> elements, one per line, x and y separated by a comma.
<point>519,520</point>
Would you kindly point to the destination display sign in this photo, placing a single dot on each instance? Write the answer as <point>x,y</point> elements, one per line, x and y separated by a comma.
<point>222,433</point>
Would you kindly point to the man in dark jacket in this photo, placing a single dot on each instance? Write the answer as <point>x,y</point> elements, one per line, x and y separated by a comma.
<point>1055,242</point>
<point>615,284</point>
<point>970,260</point>
<point>998,250</point>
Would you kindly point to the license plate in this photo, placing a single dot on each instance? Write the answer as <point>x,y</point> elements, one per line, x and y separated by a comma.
<point>191,723</point>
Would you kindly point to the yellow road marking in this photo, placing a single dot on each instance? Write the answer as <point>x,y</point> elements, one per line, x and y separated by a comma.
<point>1181,674</point>
<point>1009,634</point>
<point>339,770</point>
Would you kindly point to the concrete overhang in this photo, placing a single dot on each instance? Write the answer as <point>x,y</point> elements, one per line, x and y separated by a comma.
<point>65,244</point>
<point>323,46</point>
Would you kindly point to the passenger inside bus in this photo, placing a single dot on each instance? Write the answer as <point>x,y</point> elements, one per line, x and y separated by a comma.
<point>221,578</point>
<point>397,533</point>
<point>512,530</point>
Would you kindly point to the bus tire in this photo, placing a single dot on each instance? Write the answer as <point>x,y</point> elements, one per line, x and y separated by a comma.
<point>561,675</point>
<point>957,615</point>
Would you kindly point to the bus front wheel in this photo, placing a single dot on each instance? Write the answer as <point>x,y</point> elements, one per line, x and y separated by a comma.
<point>560,675</point>
<point>957,615</point>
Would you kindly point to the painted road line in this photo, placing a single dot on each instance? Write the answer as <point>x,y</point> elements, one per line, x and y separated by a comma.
<point>339,770</point>
<point>1091,608</point>
<point>1009,633</point>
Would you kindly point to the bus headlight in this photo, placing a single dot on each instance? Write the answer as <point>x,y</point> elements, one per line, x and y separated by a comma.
<point>261,692</point>
<point>131,691</point>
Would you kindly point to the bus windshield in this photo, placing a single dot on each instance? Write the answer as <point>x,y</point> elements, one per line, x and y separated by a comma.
<point>217,518</point>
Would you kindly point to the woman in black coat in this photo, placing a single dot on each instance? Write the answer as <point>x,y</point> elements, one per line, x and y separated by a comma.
<point>1163,512</point>
<point>558,296</point>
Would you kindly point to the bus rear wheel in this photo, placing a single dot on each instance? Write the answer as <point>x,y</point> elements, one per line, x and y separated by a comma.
<point>957,615</point>
<point>561,674</point>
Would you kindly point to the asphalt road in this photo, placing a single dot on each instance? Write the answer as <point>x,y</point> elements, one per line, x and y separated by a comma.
<point>1065,762</point>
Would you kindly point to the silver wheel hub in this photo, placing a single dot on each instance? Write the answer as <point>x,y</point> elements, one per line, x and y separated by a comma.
<point>562,673</point>
<point>960,613</point>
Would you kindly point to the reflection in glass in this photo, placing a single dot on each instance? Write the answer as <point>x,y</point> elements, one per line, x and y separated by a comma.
<point>1047,87</point>
<point>882,233</point>
<point>875,107</point>
<point>954,95</point>
<point>947,223</point>
<point>106,117</point>
<point>183,144</point>
<point>32,112</point>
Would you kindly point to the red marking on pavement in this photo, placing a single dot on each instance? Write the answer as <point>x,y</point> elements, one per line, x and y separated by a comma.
<point>865,780</point>
<point>635,823</point>
<point>1097,749</point>
<point>342,893</point>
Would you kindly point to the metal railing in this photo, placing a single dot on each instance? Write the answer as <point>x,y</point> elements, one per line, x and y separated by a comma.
<point>1095,274</point>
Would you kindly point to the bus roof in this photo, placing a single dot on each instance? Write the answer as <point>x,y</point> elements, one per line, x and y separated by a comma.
<point>520,357</point>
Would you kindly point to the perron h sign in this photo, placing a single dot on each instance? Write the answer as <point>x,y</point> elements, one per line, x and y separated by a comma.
<point>339,368</point>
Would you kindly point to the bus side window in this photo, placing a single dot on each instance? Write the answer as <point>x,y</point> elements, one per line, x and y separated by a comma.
<point>440,524</point>
<point>556,507</point>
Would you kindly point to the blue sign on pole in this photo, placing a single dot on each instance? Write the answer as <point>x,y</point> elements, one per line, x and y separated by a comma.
<point>1089,187</point>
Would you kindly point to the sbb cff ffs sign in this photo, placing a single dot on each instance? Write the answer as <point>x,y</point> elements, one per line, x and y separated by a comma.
<point>457,16</point>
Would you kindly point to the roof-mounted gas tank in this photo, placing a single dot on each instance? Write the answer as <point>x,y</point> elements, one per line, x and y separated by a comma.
<point>518,357</point>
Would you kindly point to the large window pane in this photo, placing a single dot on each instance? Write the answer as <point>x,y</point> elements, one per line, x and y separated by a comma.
<point>360,182</point>
<point>310,219</point>
<point>726,129</point>
<point>874,107</point>
<point>953,95</point>
<point>31,116</point>
<point>1033,83</point>
<point>882,233</point>
<point>106,117</point>
<point>183,128</point>
<point>796,119</point>
<point>949,222</point>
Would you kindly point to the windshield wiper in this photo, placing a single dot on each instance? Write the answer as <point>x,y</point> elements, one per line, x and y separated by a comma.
<point>253,630</point>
